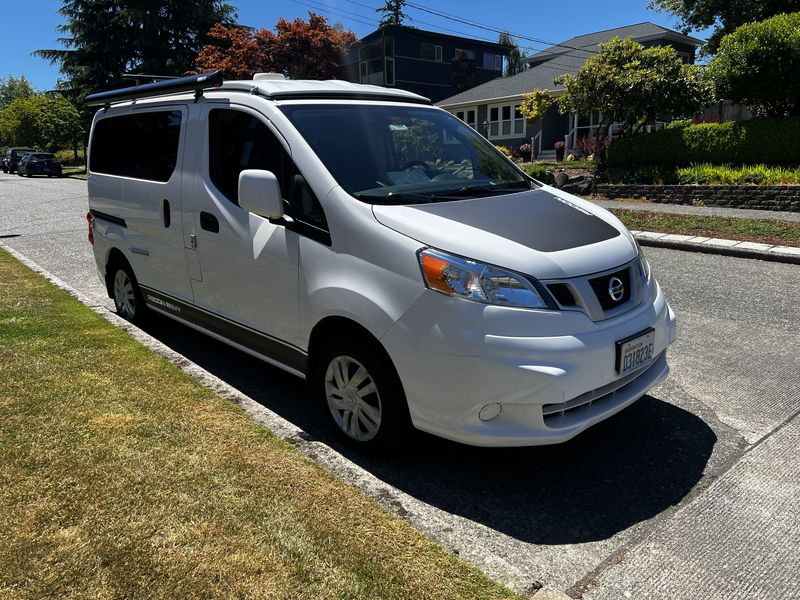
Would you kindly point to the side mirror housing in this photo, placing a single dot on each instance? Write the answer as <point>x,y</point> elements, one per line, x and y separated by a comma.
<point>260,193</point>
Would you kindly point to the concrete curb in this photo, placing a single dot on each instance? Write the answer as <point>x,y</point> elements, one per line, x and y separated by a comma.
<point>736,248</point>
<point>397,502</point>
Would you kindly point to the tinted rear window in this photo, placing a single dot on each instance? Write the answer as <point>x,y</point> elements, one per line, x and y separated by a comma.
<point>142,146</point>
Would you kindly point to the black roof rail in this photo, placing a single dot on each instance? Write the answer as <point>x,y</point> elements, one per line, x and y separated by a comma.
<point>195,83</point>
<point>140,78</point>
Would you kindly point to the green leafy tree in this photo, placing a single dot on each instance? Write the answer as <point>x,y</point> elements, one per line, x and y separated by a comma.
<point>534,104</point>
<point>514,59</point>
<point>13,88</point>
<point>392,12</point>
<point>725,16</point>
<point>44,121</point>
<point>632,85</point>
<point>758,65</point>
<point>103,39</point>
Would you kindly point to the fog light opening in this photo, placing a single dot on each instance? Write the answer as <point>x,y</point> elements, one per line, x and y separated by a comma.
<point>490,411</point>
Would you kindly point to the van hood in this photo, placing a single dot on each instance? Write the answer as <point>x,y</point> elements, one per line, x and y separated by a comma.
<point>543,232</point>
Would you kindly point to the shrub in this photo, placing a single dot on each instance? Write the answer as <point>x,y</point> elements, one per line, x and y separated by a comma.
<point>707,174</point>
<point>760,141</point>
<point>586,146</point>
<point>504,150</point>
<point>678,124</point>
<point>749,175</point>
<point>540,172</point>
<point>758,63</point>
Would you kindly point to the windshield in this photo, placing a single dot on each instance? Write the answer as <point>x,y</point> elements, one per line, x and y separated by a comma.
<point>404,154</point>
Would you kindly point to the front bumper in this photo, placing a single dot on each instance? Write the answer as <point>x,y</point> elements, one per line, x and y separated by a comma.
<point>552,373</point>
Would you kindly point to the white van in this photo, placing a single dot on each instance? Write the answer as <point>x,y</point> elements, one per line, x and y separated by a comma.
<point>380,248</point>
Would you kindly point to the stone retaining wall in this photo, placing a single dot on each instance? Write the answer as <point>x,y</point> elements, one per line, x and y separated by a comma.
<point>763,197</point>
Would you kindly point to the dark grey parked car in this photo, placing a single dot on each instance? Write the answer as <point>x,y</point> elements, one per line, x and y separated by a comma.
<point>39,163</point>
<point>12,157</point>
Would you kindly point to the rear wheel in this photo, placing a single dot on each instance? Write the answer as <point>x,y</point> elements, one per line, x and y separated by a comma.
<point>125,290</point>
<point>361,391</point>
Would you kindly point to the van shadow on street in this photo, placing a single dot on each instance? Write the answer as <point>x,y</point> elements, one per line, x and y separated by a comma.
<point>618,473</point>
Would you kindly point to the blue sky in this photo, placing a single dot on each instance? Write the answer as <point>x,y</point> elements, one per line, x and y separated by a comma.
<point>23,31</point>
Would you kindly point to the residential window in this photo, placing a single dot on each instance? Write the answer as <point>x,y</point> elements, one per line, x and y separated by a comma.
<point>506,121</point>
<point>469,116</point>
<point>492,61</point>
<point>388,48</point>
<point>430,52</point>
<point>371,63</point>
<point>150,148</point>
<point>468,54</point>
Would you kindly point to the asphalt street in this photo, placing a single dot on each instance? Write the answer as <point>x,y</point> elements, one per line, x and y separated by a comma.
<point>693,492</point>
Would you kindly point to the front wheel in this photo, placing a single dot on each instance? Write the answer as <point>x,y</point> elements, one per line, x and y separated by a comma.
<point>127,298</point>
<point>362,392</point>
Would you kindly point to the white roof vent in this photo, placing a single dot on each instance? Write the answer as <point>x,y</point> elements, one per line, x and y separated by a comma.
<point>268,77</point>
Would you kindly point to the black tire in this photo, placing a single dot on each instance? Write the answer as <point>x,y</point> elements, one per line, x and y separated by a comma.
<point>124,290</point>
<point>394,423</point>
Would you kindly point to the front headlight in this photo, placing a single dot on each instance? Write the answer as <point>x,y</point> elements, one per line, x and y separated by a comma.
<point>477,282</point>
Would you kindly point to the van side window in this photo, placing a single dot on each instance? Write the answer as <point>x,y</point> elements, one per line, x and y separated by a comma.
<point>239,141</point>
<point>141,145</point>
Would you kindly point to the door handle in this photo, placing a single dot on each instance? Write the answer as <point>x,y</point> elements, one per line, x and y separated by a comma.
<point>165,212</point>
<point>209,222</point>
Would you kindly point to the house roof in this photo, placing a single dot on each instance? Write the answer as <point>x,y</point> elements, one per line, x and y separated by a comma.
<point>637,31</point>
<point>560,59</point>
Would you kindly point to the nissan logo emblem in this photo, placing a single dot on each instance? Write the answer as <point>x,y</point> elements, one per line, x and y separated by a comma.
<point>616,289</point>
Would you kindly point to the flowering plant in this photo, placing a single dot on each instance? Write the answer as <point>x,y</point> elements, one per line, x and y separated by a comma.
<point>558,145</point>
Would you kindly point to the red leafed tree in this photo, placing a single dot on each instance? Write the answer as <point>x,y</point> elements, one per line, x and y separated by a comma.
<point>299,49</point>
<point>236,51</point>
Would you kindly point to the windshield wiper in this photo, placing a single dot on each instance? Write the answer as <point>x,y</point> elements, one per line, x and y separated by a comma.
<point>475,191</point>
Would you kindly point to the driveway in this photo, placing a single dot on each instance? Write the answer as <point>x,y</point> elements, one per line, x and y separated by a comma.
<point>693,492</point>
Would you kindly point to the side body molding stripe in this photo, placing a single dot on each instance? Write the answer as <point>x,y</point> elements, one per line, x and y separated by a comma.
<point>274,348</point>
<point>96,214</point>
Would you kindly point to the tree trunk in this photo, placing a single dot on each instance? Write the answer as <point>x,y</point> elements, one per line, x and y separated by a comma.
<point>601,155</point>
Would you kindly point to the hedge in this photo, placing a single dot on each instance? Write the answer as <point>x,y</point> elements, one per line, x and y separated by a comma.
<point>760,141</point>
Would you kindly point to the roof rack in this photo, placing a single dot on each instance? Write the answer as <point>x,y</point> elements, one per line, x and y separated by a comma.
<point>140,78</point>
<point>195,83</point>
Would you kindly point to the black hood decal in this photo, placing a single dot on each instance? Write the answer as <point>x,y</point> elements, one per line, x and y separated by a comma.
<point>537,219</point>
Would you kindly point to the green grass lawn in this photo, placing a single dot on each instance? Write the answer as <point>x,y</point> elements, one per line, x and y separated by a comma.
<point>769,232</point>
<point>75,172</point>
<point>122,477</point>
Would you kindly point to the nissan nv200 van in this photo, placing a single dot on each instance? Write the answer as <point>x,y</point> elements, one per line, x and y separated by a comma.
<point>380,248</point>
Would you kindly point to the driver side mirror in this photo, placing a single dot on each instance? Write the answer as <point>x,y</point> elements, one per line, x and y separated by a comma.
<point>260,193</point>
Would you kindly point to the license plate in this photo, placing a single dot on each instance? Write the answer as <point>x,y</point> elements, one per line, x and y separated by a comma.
<point>634,352</point>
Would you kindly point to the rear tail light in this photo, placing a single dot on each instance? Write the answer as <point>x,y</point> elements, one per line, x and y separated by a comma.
<point>91,232</point>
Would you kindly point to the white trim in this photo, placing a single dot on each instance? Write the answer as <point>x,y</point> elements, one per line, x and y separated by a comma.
<point>465,110</point>
<point>512,121</point>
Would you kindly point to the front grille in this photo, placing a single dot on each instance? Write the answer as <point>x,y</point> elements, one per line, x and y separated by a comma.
<point>562,294</point>
<point>600,288</point>
<point>595,398</point>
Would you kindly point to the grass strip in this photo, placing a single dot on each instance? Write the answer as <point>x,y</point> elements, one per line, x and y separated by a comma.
<point>782,233</point>
<point>122,477</point>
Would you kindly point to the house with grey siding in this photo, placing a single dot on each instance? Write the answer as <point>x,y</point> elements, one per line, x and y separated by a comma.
<point>431,64</point>
<point>493,108</point>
